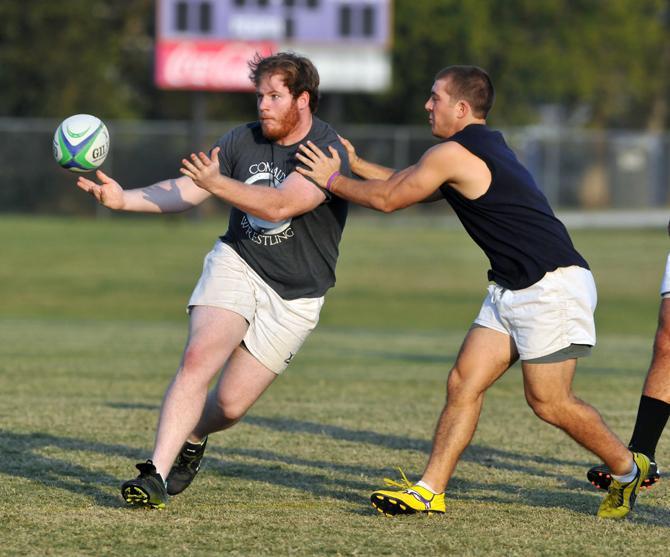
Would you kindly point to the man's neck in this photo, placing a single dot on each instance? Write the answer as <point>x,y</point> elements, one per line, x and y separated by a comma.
<point>464,125</point>
<point>470,121</point>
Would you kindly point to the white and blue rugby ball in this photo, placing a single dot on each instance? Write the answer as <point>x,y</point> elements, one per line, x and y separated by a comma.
<point>81,143</point>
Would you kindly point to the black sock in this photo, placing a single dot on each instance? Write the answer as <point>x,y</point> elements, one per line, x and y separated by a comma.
<point>652,415</point>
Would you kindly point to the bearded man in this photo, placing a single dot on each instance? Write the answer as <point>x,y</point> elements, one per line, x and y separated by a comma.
<point>262,285</point>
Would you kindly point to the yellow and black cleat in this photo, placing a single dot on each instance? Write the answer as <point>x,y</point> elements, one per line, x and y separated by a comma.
<point>620,497</point>
<point>409,499</point>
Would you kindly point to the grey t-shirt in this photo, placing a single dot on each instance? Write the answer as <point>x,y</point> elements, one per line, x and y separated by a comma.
<point>295,257</point>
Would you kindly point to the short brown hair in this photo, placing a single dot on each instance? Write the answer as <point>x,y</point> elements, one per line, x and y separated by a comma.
<point>471,84</point>
<point>298,72</point>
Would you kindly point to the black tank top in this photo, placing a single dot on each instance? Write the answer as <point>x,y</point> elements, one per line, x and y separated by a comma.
<point>512,222</point>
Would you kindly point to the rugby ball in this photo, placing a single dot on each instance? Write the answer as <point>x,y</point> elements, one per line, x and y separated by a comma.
<point>81,143</point>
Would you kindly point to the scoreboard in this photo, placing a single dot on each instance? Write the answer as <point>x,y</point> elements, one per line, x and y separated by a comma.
<point>205,44</point>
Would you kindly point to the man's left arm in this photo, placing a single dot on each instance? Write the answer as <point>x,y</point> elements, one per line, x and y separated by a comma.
<point>294,196</point>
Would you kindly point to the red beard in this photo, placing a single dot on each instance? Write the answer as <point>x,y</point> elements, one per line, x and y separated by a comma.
<point>278,128</point>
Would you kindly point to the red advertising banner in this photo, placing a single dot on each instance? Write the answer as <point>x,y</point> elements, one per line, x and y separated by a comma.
<point>207,65</point>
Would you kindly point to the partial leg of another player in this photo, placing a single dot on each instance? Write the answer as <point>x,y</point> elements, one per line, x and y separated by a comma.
<point>654,408</point>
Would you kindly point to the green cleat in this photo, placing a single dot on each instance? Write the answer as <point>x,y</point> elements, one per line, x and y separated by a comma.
<point>186,467</point>
<point>620,498</point>
<point>410,499</point>
<point>147,490</point>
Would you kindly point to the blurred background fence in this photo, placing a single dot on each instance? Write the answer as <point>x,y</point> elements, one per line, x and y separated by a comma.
<point>576,168</point>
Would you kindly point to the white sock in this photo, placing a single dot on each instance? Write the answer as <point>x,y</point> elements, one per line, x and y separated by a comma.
<point>626,478</point>
<point>423,484</point>
<point>197,442</point>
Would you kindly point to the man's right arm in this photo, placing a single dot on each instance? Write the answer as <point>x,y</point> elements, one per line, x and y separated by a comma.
<point>442,163</point>
<point>371,171</point>
<point>168,196</point>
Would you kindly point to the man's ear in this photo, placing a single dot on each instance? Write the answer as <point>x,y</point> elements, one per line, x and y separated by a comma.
<point>303,100</point>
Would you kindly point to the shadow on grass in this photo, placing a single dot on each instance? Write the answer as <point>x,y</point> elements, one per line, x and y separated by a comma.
<point>501,459</point>
<point>276,470</point>
<point>574,494</point>
<point>651,515</point>
<point>21,458</point>
<point>584,501</point>
<point>483,455</point>
<point>486,456</point>
<point>133,406</point>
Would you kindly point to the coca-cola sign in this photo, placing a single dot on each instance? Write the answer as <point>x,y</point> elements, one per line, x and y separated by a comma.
<point>207,65</point>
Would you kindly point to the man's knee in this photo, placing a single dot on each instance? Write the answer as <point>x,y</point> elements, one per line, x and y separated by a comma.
<point>454,383</point>
<point>462,388</point>
<point>194,356</point>
<point>192,376</point>
<point>542,409</point>
<point>662,341</point>
<point>199,361</point>
<point>232,407</point>
<point>662,338</point>
<point>550,409</point>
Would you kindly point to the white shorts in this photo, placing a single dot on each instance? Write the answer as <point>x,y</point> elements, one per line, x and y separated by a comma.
<point>548,316</point>
<point>277,327</point>
<point>665,283</point>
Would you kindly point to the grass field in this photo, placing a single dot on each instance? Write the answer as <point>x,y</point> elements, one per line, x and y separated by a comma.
<point>92,324</point>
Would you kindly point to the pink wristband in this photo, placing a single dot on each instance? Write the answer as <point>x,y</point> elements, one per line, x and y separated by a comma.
<point>330,181</point>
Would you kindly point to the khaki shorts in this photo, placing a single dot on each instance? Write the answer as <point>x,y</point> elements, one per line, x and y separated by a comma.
<point>552,314</point>
<point>277,327</point>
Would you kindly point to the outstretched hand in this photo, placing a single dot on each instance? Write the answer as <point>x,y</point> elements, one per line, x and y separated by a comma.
<point>203,170</point>
<point>108,193</point>
<point>320,167</point>
<point>351,151</point>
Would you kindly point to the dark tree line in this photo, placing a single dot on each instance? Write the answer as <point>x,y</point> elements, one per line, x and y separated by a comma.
<point>602,63</point>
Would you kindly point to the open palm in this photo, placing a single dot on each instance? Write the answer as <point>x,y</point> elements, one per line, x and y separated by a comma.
<point>108,193</point>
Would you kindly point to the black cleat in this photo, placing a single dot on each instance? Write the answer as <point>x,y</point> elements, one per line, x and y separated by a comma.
<point>185,467</point>
<point>147,490</point>
<point>601,477</point>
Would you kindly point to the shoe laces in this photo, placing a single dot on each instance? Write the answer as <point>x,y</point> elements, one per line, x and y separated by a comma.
<point>183,462</point>
<point>615,493</point>
<point>183,459</point>
<point>186,458</point>
<point>405,484</point>
<point>146,468</point>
